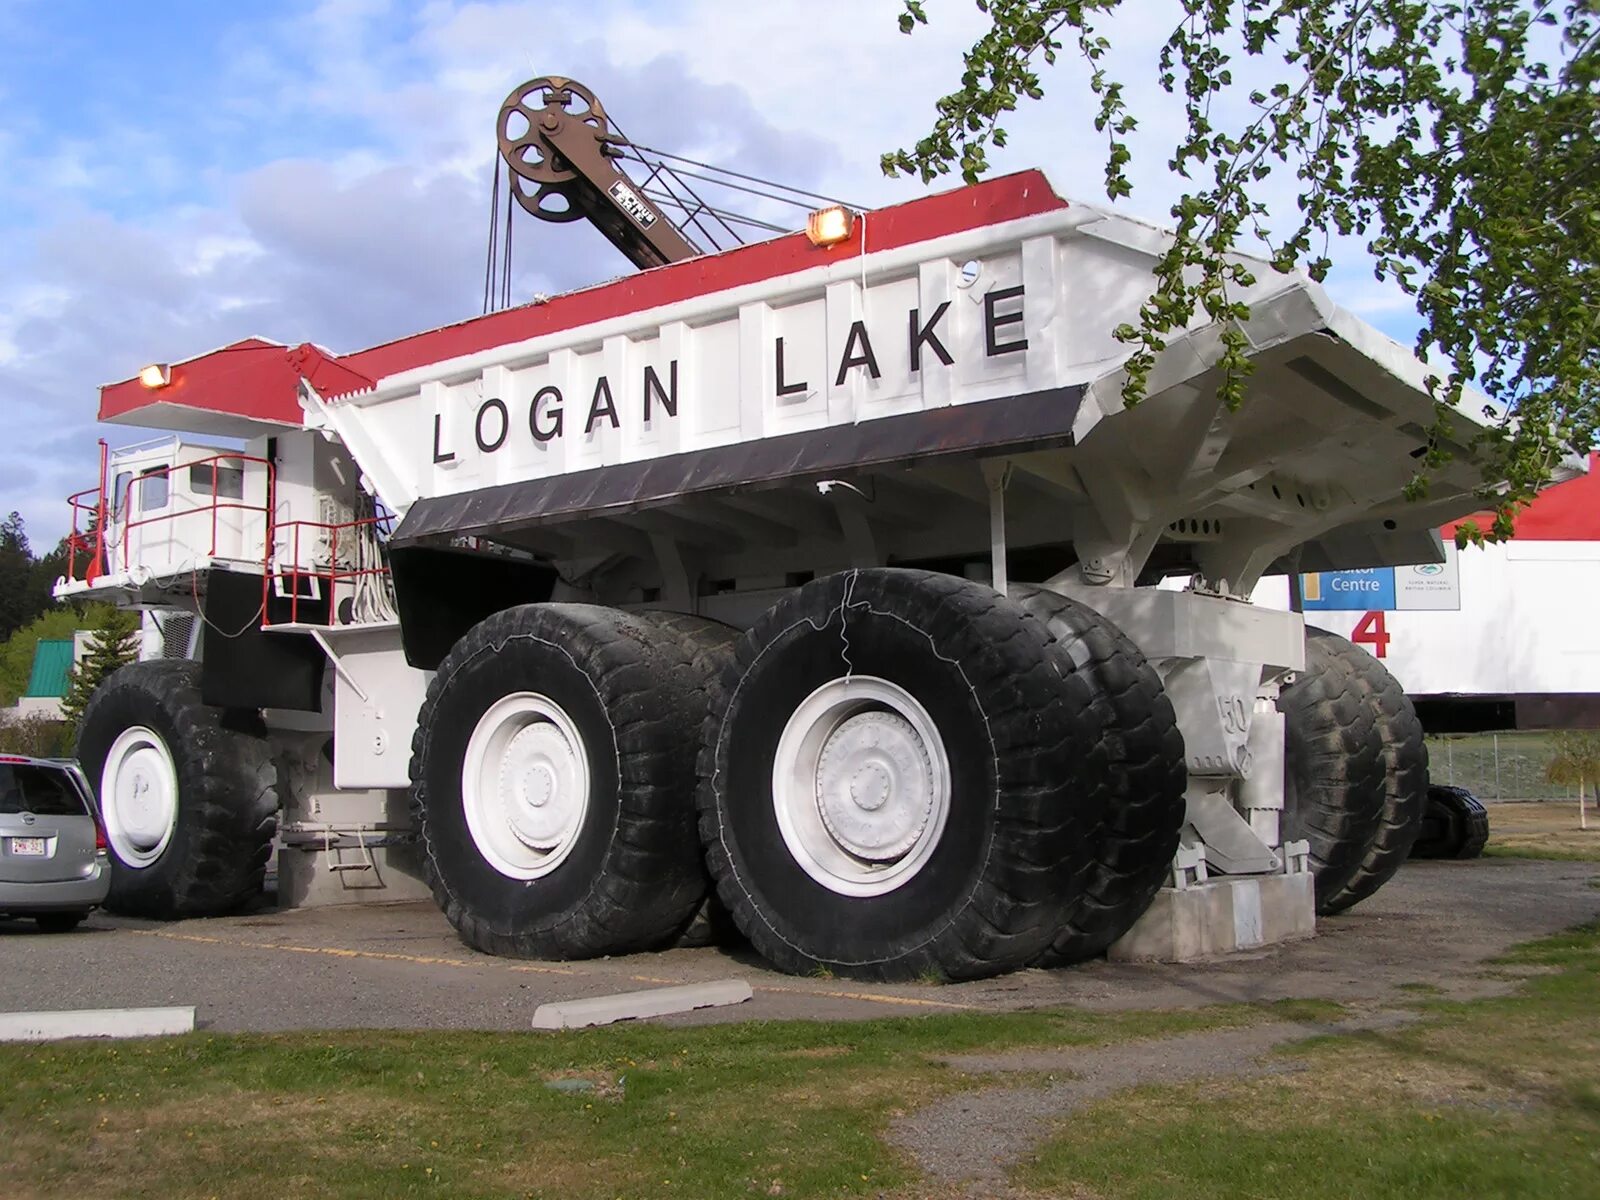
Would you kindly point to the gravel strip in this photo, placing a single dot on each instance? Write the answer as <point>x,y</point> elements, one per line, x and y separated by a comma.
<point>976,1137</point>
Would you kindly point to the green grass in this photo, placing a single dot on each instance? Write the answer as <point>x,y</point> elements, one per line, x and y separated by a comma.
<point>1489,1098</point>
<point>1548,853</point>
<point>1497,1097</point>
<point>707,1112</point>
<point>1420,988</point>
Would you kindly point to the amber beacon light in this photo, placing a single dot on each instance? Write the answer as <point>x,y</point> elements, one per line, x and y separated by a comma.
<point>156,375</point>
<point>830,226</point>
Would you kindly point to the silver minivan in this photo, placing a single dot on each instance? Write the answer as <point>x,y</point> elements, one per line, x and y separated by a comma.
<point>53,864</point>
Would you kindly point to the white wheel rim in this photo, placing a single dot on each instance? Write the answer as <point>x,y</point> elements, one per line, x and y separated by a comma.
<point>139,796</point>
<point>525,785</point>
<point>861,786</point>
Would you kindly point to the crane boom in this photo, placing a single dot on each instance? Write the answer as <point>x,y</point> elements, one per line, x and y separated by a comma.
<point>558,142</point>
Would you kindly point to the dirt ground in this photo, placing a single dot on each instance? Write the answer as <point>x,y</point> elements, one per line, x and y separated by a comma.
<point>1545,826</point>
<point>972,1139</point>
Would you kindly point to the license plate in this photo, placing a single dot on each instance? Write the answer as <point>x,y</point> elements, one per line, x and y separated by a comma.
<point>27,846</point>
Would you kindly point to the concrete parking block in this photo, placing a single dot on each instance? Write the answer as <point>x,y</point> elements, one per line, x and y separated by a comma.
<point>627,1006</point>
<point>95,1023</point>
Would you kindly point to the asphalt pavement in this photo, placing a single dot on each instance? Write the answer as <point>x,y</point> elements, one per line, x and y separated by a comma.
<point>401,966</point>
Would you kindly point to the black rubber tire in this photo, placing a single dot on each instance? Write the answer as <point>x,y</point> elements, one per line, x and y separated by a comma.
<point>1132,853</point>
<point>634,875</point>
<point>711,925</point>
<point>1022,733</point>
<point>1405,764</point>
<point>59,922</point>
<point>227,792</point>
<point>1334,772</point>
<point>710,647</point>
<point>1455,825</point>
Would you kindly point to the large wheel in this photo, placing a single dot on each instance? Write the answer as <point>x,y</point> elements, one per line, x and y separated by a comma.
<point>711,925</point>
<point>900,778</point>
<point>1334,769</point>
<point>1405,771</point>
<point>552,781</point>
<point>1132,854</point>
<point>1455,825</point>
<point>188,792</point>
<point>710,648</point>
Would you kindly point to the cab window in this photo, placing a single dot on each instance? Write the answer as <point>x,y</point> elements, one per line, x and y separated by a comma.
<point>153,489</point>
<point>229,481</point>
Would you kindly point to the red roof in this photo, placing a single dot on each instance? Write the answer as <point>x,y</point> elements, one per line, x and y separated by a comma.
<point>1567,512</point>
<point>251,378</point>
<point>257,380</point>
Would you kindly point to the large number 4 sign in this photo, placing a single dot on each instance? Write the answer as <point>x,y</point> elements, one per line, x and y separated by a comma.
<point>1370,631</point>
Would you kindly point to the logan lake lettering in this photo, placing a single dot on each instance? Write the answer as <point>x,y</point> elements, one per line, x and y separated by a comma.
<point>546,417</point>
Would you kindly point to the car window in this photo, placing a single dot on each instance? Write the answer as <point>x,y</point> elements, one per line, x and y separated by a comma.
<point>25,787</point>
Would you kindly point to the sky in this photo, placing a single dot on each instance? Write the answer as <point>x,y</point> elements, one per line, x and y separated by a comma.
<point>178,174</point>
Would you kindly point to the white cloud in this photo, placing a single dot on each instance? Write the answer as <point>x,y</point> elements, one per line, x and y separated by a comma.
<point>341,191</point>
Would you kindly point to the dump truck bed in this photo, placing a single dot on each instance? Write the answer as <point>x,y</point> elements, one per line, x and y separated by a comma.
<point>896,363</point>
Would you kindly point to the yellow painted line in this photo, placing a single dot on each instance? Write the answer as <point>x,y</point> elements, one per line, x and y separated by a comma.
<point>427,960</point>
<point>873,997</point>
<point>344,952</point>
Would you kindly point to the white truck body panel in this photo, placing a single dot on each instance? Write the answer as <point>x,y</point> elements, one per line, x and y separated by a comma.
<point>834,346</point>
<point>955,331</point>
<point>438,430</point>
<point>1525,626</point>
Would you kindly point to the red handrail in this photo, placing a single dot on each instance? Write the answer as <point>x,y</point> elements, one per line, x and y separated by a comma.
<point>94,501</point>
<point>332,575</point>
<point>78,540</point>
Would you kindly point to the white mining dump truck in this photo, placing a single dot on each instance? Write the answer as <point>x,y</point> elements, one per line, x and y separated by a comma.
<point>821,577</point>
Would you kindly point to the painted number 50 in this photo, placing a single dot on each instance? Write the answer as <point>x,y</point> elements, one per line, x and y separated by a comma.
<point>1235,714</point>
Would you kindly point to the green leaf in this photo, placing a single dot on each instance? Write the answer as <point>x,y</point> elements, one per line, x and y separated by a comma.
<point>1461,148</point>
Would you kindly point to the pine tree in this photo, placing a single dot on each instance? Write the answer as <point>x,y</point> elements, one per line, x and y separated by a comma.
<point>115,645</point>
<point>25,580</point>
<point>16,576</point>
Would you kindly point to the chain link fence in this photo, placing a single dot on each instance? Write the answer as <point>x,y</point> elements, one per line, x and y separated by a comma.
<point>1497,766</point>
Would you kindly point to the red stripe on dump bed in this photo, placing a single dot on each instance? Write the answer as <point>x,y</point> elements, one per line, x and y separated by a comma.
<point>972,207</point>
<point>255,389</point>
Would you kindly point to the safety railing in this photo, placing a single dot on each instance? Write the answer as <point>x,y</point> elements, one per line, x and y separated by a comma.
<point>97,526</point>
<point>311,594</point>
<point>86,546</point>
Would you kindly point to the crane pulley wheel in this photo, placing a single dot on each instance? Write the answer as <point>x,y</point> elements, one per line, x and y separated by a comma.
<point>546,102</point>
<point>538,106</point>
<point>562,152</point>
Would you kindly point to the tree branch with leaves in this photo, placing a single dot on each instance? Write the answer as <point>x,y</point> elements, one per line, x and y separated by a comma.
<point>1460,140</point>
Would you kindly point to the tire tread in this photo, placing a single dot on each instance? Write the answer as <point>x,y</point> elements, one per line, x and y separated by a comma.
<point>1405,761</point>
<point>228,794</point>
<point>1334,778</point>
<point>651,880</point>
<point>1048,763</point>
<point>1133,849</point>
